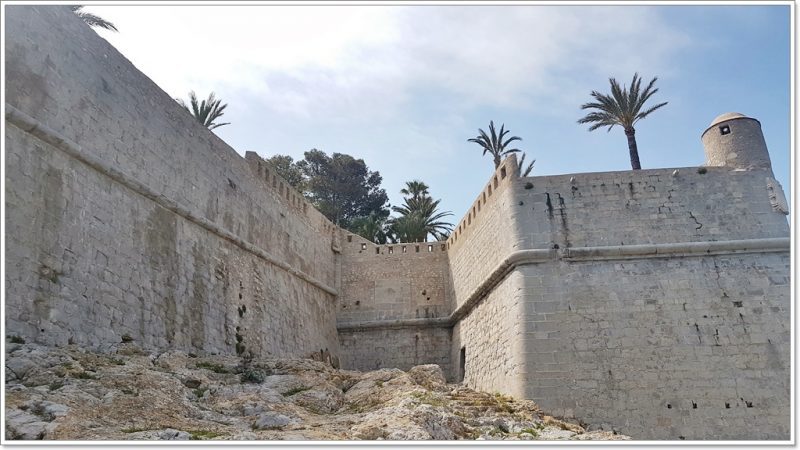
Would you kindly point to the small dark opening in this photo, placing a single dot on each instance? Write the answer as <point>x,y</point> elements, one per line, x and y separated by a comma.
<point>349,238</point>
<point>462,364</point>
<point>725,129</point>
<point>363,246</point>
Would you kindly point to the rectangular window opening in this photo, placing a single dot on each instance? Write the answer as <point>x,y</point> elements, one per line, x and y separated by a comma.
<point>377,250</point>
<point>430,248</point>
<point>403,248</point>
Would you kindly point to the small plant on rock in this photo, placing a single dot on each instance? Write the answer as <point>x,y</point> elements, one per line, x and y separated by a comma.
<point>296,390</point>
<point>216,368</point>
<point>199,435</point>
<point>253,376</point>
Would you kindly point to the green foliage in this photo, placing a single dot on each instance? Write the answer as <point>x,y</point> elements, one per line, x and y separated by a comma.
<point>216,368</point>
<point>428,398</point>
<point>373,227</point>
<point>296,390</point>
<point>503,402</point>
<point>199,392</point>
<point>379,383</point>
<point>342,187</point>
<point>206,111</point>
<point>285,166</point>
<point>419,216</point>
<point>92,20</point>
<point>199,435</point>
<point>253,376</point>
<point>494,143</point>
<point>84,375</point>
<point>624,108</point>
<point>16,339</point>
<point>55,385</point>
<point>527,170</point>
<point>126,338</point>
<point>134,430</point>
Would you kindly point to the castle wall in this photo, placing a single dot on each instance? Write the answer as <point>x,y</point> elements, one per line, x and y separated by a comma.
<point>396,284</point>
<point>393,281</point>
<point>484,236</point>
<point>663,348</point>
<point>126,217</point>
<point>489,336</point>
<point>645,207</point>
<point>396,347</point>
<point>655,337</point>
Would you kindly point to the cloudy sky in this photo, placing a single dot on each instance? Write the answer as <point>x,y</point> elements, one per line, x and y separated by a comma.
<point>404,87</point>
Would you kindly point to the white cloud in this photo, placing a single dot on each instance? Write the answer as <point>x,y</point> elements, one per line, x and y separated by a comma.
<point>344,63</point>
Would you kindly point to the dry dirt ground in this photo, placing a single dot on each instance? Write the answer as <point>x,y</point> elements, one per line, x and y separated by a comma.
<point>126,393</point>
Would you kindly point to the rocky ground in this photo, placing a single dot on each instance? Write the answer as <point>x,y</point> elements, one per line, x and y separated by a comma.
<point>130,394</point>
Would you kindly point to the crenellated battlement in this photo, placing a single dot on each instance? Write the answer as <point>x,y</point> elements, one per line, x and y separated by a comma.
<point>502,176</point>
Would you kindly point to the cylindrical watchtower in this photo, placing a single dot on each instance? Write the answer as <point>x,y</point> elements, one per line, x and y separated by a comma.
<point>735,140</point>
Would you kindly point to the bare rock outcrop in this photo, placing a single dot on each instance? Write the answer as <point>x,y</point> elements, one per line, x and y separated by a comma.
<point>128,393</point>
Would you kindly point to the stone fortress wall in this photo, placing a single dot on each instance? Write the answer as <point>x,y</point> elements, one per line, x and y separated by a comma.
<point>127,218</point>
<point>653,302</point>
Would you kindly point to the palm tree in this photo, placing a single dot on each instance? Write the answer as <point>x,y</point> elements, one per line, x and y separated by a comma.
<point>527,171</point>
<point>419,216</point>
<point>415,189</point>
<point>372,227</point>
<point>206,111</point>
<point>623,108</point>
<point>91,19</point>
<point>494,144</point>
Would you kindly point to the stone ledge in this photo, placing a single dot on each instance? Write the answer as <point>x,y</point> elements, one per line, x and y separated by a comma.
<point>676,249</point>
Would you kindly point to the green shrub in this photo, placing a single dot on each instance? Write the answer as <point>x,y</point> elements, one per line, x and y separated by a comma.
<point>296,390</point>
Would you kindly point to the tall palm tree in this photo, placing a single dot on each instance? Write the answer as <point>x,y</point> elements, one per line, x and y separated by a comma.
<point>91,19</point>
<point>494,144</point>
<point>206,111</point>
<point>419,216</point>
<point>623,108</point>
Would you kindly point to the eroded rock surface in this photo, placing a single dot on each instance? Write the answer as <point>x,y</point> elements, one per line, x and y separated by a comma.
<point>131,394</point>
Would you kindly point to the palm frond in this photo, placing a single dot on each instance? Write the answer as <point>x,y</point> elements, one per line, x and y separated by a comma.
<point>92,20</point>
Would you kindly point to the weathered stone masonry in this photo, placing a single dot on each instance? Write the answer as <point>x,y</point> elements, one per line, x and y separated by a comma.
<point>653,302</point>
<point>126,218</point>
